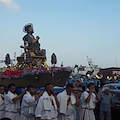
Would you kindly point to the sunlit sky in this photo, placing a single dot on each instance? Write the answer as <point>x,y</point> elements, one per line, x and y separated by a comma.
<point>72,29</point>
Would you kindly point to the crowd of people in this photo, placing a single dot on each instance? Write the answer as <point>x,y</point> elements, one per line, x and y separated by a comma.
<point>48,105</point>
<point>82,82</point>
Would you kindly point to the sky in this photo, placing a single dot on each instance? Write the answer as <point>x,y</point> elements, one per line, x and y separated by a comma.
<point>72,29</point>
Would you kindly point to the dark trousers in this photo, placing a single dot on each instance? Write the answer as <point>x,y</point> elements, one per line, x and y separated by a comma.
<point>105,115</point>
<point>96,89</point>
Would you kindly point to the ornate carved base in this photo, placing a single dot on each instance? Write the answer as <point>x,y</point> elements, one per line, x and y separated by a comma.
<point>35,62</point>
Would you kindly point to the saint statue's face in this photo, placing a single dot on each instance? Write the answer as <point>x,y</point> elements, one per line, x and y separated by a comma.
<point>31,30</point>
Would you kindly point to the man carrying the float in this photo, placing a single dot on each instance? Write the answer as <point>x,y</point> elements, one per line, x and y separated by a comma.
<point>29,103</point>
<point>88,100</point>
<point>30,42</point>
<point>68,101</point>
<point>12,103</point>
<point>2,103</point>
<point>47,105</point>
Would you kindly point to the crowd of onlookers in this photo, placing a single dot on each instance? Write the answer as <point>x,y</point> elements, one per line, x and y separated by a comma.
<point>105,96</point>
<point>83,81</point>
<point>78,99</point>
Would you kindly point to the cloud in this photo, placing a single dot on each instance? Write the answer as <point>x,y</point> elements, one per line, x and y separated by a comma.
<point>10,4</point>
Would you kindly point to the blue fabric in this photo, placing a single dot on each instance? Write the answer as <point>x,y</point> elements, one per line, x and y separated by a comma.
<point>57,90</point>
<point>109,82</point>
<point>70,81</point>
<point>77,118</point>
<point>89,81</point>
<point>95,82</point>
<point>105,102</point>
<point>85,82</point>
<point>116,81</point>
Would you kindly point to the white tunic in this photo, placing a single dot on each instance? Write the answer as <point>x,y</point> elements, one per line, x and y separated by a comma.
<point>2,106</point>
<point>70,112</point>
<point>86,110</point>
<point>12,107</point>
<point>28,107</point>
<point>45,114</point>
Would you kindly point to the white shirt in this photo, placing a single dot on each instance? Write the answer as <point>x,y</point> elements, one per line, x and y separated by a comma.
<point>70,108</point>
<point>83,98</point>
<point>2,103</point>
<point>45,114</point>
<point>11,106</point>
<point>28,105</point>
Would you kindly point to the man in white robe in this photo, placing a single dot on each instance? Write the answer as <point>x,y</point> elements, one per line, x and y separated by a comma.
<point>47,105</point>
<point>68,101</point>
<point>2,103</point>
<point>29,103</point>
<point>87,101</point>
<point>12,103</point>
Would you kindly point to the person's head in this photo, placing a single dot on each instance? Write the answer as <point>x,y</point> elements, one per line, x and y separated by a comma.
<point>106,91</point>
<point>69,88</point>
<point>28,28</point>
<point>78,82</point>
<point>31,89</point>
<point>12,87</point>
<point>70,77</point>
<point>2,89</point>
<point>83,78</point>
<point>91,86</point>
<point>31,30</point>
<point>88,78</point>
<point>49,88</point>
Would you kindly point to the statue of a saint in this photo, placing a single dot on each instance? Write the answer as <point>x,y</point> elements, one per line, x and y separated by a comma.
<point>30,42</point>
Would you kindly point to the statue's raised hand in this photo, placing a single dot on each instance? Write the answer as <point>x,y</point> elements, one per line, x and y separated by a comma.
<point>37,37</point>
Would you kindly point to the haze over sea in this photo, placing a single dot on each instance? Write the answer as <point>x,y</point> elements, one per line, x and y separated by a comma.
<point>72,29</point>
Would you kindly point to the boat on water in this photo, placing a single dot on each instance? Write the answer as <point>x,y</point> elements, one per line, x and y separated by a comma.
<point>91,71</point>
<point>31,67</point>
<point>106,75</point>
